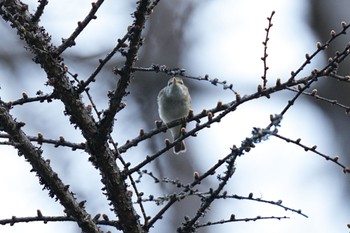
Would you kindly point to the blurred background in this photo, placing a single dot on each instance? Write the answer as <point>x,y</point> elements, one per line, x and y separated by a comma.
<point>224,40</point>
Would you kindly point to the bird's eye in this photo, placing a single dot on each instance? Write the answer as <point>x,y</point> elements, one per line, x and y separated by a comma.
<point>179,80</point>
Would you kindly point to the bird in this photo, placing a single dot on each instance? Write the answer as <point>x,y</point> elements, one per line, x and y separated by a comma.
<point>174,102</point>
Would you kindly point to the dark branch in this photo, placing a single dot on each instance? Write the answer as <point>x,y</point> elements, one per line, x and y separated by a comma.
<point>40,10</point>
<point>234,219</point>
<point>264,58</point>
<point>125,73</point>
<point>70,41</point>
<point>48,178</point>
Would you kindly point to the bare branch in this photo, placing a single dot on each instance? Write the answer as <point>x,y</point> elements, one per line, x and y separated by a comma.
<point>40,10</point>
<point>70,41</point>
<point>125,73</point>
<point>234,219</point>
<point>48,178</point>
<point>264,58</point>
<point>313,149</point>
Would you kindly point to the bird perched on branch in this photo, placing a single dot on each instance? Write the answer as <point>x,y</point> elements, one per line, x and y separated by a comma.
<point>174,102</point>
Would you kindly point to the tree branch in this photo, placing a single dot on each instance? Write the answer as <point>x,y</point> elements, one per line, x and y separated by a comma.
<point>46,175</point>
<point>101,155</point>
<point>126,72</point>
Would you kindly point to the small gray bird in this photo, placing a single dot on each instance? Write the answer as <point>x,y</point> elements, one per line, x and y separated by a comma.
<point>174,102</point>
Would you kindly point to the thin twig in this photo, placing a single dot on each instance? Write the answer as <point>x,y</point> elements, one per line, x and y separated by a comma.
<point>40,10</point>
<point>102,62</point>
<point>313,149</point>
<point>323,99</point>
<point>182,73</point>
<point>234,219</point>
<point>264,58</point>
<point>70,41</point>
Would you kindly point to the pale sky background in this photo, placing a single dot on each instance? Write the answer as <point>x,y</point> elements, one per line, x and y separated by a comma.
<point>274,170</point>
